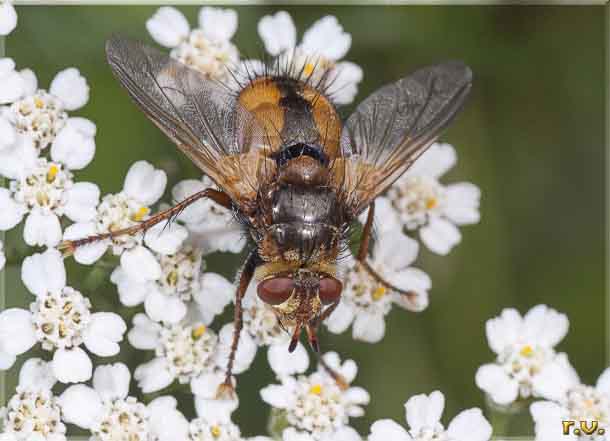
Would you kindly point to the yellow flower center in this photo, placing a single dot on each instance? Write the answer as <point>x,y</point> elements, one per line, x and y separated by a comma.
<point>38,103</point>
<point>199,331</point>
<point>379,293</point>
<point>308,69</point>
<point>316,389</point>
<point>215,431</point>
<point>431,203</point>
<point>527,351</point>
<point>141,214</point>
<point>52,173</point>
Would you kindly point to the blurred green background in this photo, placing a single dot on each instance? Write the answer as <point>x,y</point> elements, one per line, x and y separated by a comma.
<point>531,136</point>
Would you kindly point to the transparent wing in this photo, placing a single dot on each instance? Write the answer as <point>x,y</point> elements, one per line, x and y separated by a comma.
<point>199,115</point>
<point>391,128</point>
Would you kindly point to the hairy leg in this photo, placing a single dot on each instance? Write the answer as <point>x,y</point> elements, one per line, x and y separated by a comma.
<point>69,246</point>
<point>363,253</point>
<point>226,388</point>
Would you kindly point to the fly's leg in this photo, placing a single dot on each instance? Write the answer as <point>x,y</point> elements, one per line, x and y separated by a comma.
<point>69,246</point>
<point>312,328</point>
<point>410,296</point>
<point>226,389</point>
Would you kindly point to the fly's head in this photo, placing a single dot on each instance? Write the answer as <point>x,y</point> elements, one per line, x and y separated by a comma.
<point>298,298</point>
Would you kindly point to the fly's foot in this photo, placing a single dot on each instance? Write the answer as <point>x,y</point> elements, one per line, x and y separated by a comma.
<point>226,391</point>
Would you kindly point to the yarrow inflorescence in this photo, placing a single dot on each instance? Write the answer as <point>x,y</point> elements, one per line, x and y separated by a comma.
<point>164,285</point>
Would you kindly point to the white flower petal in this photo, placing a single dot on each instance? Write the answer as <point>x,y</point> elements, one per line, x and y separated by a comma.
<point>357,395</point>
<point>12,85</point>
<point>215,294</point>
<point>80,405</point>
<point>6,360</point>
<point>17,334</point>
<point>503,330</point>
<point>434,162</point>
<point>44,272</point>
<point>340,319</point>
<point>8,18</point>
<point>140,265</point>
<point>218,24</point>
<point>42,229</point>
<point>416,301</point>
<point>12,212</point>
<point>470,425</point>
<point>462,205</point>
<point>277,396</point>
<point>547,417</point>
<point>206,385</point>
<point>291,434</point>
<point>87,254</point>
<point>8,134</point>
<point>30,81</point>
<point>131,293</point>
<point>277,32</point>
<point>37,373</point>
<point>492,379</point>
<point>144,183</point>
<point>385,430</point>
<point>545,326</point>
<point>165,238</point>
<point>82,199</point>
<point>153,376</point>
<point>71,87</point>
<point>17,159</point>
<point>104,333</point>
<point>343,87</point>
<point>346,433</point>
<point>168,27</point>
<point>386,217</point>
<point>368,327</point>
<point>167,424</point>
<point>111,381</point>
<point>395,249</point>
<point>555,379</point>
<point>74,145</point>
<point>71,365</point>
<point>285,363</point>
<point>2,256</point>
<point>144,334</point>
<point>163,308</point>
<point>440,236</point>
<point>215,411</point>
<point>603,382</point>
<point>424,410</point>
<point>411,279</point>
<point>327,38</point>
<point>227,238</point>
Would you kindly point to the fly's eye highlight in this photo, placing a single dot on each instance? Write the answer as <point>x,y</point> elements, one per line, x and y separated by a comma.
<point>330,290</point>
<point>276,290</point>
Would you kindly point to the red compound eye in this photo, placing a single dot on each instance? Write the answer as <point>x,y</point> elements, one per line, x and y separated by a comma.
<point>276,290</point>
<point>330,290</point>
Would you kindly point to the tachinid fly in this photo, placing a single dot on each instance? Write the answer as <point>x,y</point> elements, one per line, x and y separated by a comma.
<point>292,171</point>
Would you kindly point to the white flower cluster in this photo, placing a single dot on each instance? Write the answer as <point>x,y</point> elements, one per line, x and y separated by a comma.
<point>209,48</point>
<point>528,367</point>
<point>8,17</point>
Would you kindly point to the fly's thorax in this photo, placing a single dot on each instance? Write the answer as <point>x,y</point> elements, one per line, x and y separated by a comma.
<point>301,224</point>
<point>300,243</point>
